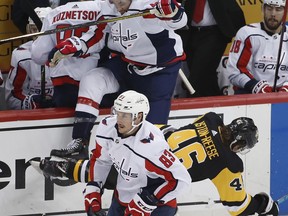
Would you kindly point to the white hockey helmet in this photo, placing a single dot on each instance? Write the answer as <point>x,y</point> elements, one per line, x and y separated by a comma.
<point>132,102</point>
<point>278,3</point>
<point>41,12</point>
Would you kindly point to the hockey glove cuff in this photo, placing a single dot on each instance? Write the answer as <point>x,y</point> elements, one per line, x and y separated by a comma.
<point>256,87</point>
<point>92,201</point>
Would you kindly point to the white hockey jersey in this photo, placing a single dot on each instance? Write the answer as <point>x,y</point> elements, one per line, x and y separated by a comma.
<point>144,40</point>
<point>253,55</point>
<point>24,77</point>
<point>139,159</point>
<point>71,69</point>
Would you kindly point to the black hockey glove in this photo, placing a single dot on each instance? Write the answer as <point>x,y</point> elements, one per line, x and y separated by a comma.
<point>142,204</point>
<point>34,101</point>
<point>266,205</point>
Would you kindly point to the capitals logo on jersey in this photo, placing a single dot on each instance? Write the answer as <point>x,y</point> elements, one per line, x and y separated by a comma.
<point>125,39</point>
<point>125,174</point>
<point>148,139</point>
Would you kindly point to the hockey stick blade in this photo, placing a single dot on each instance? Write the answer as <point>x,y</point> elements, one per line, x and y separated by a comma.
<point>186,82</point>
<point>282,199</point>
<point>53,31</point>
<point>36,166</point>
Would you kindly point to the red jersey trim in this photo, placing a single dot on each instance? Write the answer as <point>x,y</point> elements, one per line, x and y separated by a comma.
<point>64,80</point>
<point>88,101</point>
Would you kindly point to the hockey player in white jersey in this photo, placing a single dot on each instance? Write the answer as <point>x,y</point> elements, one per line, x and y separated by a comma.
<point>150,177</point>
<point>148,62</point>
<point>76,82</point>
<point>149,51</point>
<point>253,54</point>
<point>67,74</point>
<point>23,84</point>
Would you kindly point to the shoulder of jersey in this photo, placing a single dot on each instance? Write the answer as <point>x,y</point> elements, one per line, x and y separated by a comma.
<point>139,5</point>
<point>150,137</point>
<point>254,28</point>
<point>108,121</point>
<point>88,5</point>
<point>22,52</point>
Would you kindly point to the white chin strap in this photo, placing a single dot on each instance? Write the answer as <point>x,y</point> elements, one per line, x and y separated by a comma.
<point>135,125</point>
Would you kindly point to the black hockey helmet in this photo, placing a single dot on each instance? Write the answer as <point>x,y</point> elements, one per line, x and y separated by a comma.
<point>244,134</point>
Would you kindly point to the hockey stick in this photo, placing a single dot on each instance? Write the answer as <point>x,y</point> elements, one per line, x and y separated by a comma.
<point>53,31</point>
<point>43,82</point>
<point>186,82</point>
<point>282,199</point>
<point>280,47</point>
<point>32,14</point>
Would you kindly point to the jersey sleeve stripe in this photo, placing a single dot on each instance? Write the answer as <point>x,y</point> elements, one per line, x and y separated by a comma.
<point>168,186</point>
<point>244,58</point>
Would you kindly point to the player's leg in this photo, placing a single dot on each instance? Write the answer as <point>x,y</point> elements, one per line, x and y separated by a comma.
<point>158,88</point>
<point>115,208</point>
<point>93,86</point>
<point>164,210</point>
<point>65,95</point>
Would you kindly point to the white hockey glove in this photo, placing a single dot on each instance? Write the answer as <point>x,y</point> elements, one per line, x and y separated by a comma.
<point>71,47</point>
<point>92,201</point>
<point>142,204</point>
<point>266,205</point>
<point>166,8</point>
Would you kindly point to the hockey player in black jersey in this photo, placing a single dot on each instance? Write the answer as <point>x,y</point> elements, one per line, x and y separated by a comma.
<point>208,149</point>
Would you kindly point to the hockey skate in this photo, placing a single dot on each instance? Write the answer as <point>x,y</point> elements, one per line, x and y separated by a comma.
<point>77,149</point>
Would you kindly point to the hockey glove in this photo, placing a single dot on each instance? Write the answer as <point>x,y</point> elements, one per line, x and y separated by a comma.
<point>167,9</point>
<point>224,90</point>
<point>92,201</point>
<point>266,205</point>
<point>142,204</point>
<point>71,47</point>
<point>34,101</point>
<point>262,87</point>
<point>283,88</point>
